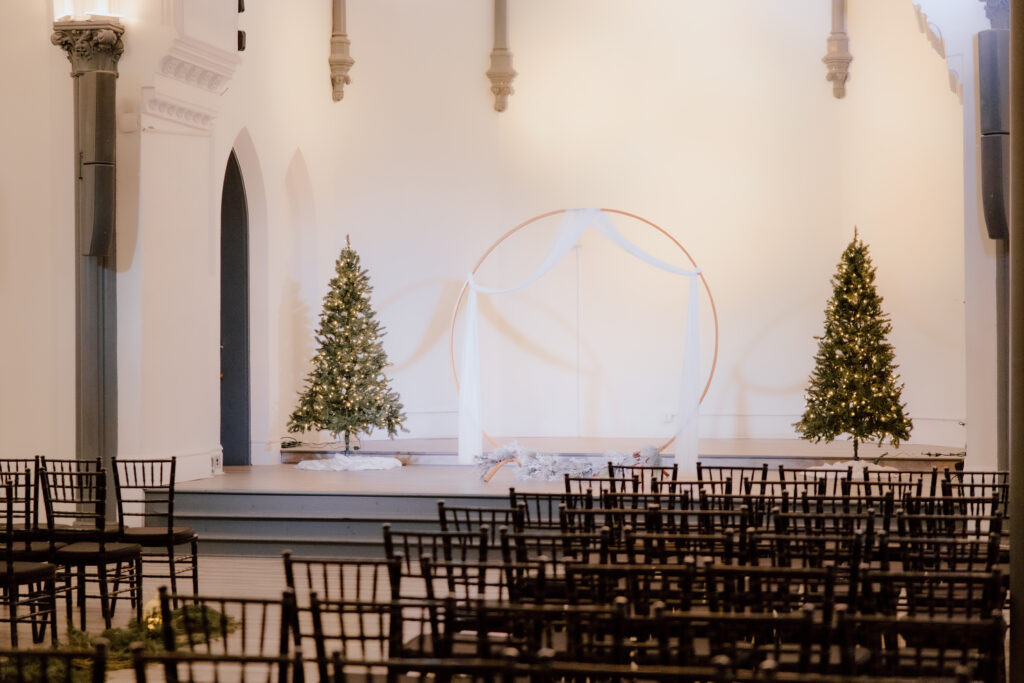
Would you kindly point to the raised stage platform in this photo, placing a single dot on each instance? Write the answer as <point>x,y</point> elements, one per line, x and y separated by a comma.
<point>263,510</point>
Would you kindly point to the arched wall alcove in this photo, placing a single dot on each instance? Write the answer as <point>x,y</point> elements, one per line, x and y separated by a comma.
<point>265,448</point>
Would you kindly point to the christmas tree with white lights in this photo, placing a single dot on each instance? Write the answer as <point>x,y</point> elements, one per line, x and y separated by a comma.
<point>347,392</point>
<point>854,388</point>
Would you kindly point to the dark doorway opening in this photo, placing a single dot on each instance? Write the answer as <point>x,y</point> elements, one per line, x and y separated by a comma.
<point>234,318</point>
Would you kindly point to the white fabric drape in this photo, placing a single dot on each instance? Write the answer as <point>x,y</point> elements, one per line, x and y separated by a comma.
<point>574,224</point>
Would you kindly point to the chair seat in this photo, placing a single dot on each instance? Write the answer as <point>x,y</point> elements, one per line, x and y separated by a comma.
<point>29,551</point>
<point>26,572</point>
<point>87,552</point>
<point>158,535</point>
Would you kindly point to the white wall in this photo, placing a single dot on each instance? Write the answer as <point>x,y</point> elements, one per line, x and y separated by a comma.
<point>711,119</point>
<point>37,244</point>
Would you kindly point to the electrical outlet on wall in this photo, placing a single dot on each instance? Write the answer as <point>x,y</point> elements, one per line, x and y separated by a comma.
<point>669,418</point>
<point>217,464</point>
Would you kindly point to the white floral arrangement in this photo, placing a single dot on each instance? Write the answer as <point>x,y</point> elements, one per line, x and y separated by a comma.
<point>537,466</point>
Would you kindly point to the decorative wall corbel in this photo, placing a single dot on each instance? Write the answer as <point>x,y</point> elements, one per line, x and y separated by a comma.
<point>501,72</point>
<point>339,60</point>
<point>837,57</point>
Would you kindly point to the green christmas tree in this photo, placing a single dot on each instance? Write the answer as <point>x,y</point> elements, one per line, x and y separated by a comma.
<point>854,388</point>
<point>347,392</point>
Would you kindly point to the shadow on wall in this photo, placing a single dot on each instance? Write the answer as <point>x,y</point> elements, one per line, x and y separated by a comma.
<point>296,319</point>
<point>296,345</point>
<point>438,320</point>
<point>749,367</point>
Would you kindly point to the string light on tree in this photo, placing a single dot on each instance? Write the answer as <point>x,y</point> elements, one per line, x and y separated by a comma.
<point>854,388</point>
<point>346,391</point>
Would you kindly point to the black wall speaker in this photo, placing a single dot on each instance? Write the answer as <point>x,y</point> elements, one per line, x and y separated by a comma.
<point>97,132</point>
<point>994,123</point>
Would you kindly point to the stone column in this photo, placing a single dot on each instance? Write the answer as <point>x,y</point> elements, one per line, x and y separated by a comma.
<point>94,47</point>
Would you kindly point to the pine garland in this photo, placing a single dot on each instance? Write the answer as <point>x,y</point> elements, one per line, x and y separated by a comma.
<point>854,388</point>
<point>346,392</point>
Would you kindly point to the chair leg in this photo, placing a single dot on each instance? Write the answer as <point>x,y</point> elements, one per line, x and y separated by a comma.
<point>105,606</point>
<point>195,567</point>
<point>137,592</point>
<point>172,572</point>
<point>51,590</point>
<point>11,598</point>
<point>117,589</point>
<point>81,595</point>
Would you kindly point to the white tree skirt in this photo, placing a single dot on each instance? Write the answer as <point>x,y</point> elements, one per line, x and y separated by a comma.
<point>341,463</point>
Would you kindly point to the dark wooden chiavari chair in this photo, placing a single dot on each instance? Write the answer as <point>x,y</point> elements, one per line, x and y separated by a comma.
<point>929,479</point>
<point>726,546</point>
<point>148,519</point>
<point>82,544</point>
<point>472,519</point>
<point>225,638</point>
<point>29,592</point>
<point>645,473</point>
<point>922,646</point>
<point>540,510</point>
<point>827,480</point>
<point>450,546</point>
<point>737,475</point>
<point>598,485</point>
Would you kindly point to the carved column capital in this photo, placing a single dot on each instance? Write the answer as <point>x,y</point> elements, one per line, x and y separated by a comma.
<point>501,74</point>
<point>998,12</point>
<point>340,62</point>
<point>90,45</point>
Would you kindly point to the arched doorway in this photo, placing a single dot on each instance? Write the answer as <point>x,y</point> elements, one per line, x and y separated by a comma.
<point>234,318</point>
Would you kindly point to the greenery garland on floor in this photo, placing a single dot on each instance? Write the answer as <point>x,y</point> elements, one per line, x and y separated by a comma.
<point>120,639</point>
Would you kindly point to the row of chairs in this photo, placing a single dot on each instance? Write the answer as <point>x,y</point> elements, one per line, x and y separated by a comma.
<point>58,538</point>
<point>955,482</point>
<point>306,636</point>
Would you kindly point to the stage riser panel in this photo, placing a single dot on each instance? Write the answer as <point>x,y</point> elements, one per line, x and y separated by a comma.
<point>264,524</point>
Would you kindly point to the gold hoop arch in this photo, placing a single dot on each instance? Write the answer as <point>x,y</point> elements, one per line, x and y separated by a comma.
<point>462,294</point>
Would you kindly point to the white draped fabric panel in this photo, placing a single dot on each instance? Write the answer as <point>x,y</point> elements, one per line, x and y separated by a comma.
<point>574,224</point>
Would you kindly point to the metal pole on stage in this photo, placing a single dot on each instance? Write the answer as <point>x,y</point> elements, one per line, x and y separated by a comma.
<point>1016,369</point>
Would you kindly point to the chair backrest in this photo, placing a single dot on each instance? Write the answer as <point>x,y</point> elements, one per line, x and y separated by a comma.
<point>576,633</point>
<point>17,506</point>
<point>724,546</point>
<point>75,499</point>
<point>770,589</point>
<point>472,519</point>
<point>656,520</point>
<point>932,593</point>
<point>581,546</point>
<point>33,494</point>
<point>645,473</point>
<point>494,580</point>
<point>145,492</point>
<point>409,546</point>
<point>960,475</point>
<point>977,489</point>
<point>642,585</point>
<point>540,510</point>
<point>737,473</point>
<point>827,479</point>
<point>248,631</point>
<point>931,649</point>
<point>376,632</point>
<point>599,485</point>
<point>348,578</point>
<point>66,665</point>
